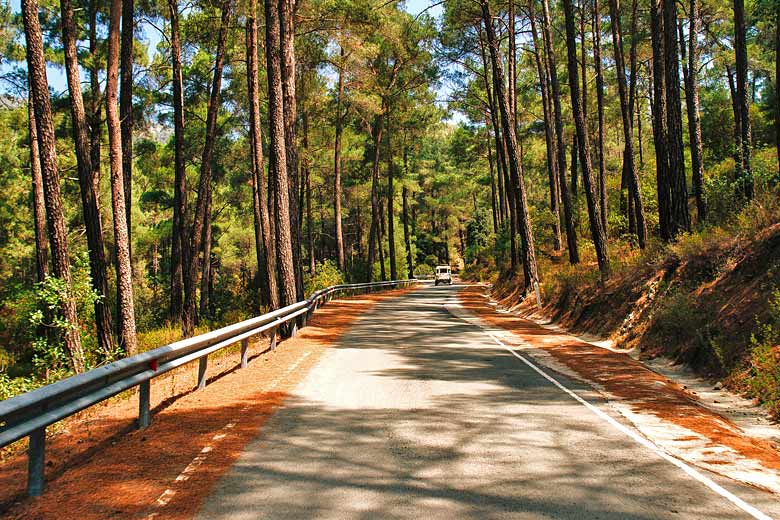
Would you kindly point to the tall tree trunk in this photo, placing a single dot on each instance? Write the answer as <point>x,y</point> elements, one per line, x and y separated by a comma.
<point>179,244</point>
<point>379,236</point>
<point>737,124</point>
<point>87,183</point>
<point>264,245</point>
<point>390,196</point>
<point>375,229</point>
<point>583,60</point>
<point>337,169</point>
<point>680,221</point>
<point>278,155</point>
<point>124,273</point>
<point>407,237</point>
<point>530,274</point>
<point>58,236</point>
<point>126,105</point>
<point>777,87</point>
<point>549,131</point>
<point>307,181</point>
<point>204,184</point>
<point>493,194</point>
<point>512,64</point>
<point>96,106</point>
<point>627,114</point>
<point>510,182</point>
<point>38,201</point>
<point>659,121</point>
<point>501,166</point>
<point>743,100</point>
<point>639,132</point>
<point>600,110</point>
<point>205,276</point>
<point>574,156</point>
<point>287,38</point>
<point>568,210</point>
<point>597,231</point>
<point>691,81</point>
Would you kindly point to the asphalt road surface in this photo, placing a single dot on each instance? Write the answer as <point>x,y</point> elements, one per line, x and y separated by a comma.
<point>419,414</point>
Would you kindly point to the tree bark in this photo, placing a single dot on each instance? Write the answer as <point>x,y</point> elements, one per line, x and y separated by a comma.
<point>530,274</point>
<point>777,87</point>
<point>493,194</point>
<point>96,106</point>
<point>287,38</point>
<point>38,201</point>
<point>264,244</point>
<point>278,155</point>
<point>512,64</point>
<point>179,244</point>
<point>390,210</point>
<point>204,185</point>
<point>691,81</point>
<point>58,236</point>
<point>375,229</point>
<point>510,182</point>
<point>337,169</point>
<point>659,121</point>
<point>627,115</point>
<point>500,158</point>
<point>600,110</point>
<point>407,237</point>
<point>87,182</point>
<point>568,210</point>
<point>306,171</point>
<point>205,276</point>
<point>743,100</point>
<point>597,231</point>
<point>125,306</point>
<point>549,131</point>
<point>680,221</point>
<point>737,123</point>
<point>126,106</point>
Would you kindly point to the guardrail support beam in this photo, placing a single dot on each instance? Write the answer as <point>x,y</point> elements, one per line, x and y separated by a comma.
<point>203,364</point>
<point>244,352</point>
<point>36,462</point>
<point>272,345</point>
<point>144,416</point>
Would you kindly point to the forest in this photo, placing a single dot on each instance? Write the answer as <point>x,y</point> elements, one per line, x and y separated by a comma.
<point>170,166</point>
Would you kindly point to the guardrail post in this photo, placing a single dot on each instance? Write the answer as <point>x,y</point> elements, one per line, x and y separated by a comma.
<point>244,352</point>
<point>203,363</point>
<point>36,462</point>
<point>144,417</point>
<point>272,346</point>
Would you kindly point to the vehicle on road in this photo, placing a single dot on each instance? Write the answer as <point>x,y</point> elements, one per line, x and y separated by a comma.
<point>443,275</point>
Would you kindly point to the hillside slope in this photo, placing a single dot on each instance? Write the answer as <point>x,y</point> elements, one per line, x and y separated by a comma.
<point>709,301</point>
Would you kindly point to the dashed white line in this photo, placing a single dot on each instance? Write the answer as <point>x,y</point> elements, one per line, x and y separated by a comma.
<point>166,496</point>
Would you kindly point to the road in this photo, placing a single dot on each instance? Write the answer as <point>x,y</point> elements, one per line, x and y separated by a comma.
<point>419,414</point>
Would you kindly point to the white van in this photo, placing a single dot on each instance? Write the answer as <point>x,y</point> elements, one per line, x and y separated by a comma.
<point>443,275</point>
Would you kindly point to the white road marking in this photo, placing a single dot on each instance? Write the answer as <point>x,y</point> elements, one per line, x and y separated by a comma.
<point>693,473</point>
<point>199,459</point>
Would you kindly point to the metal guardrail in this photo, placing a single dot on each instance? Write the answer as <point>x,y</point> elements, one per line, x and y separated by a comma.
<point>28,414</point>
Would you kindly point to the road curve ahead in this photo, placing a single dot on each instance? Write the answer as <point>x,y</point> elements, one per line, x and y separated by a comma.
<point>418,414</point>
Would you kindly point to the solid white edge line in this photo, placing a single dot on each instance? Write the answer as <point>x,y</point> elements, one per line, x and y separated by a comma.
<point>693,473</point>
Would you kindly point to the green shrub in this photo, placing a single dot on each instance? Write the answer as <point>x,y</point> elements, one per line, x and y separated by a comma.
<point>325,275</point>
<point>764,373</point>
<point>12,386</point>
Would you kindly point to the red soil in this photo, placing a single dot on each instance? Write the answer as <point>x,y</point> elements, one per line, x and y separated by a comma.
<point>628,379</point>
<point>98,466</point>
